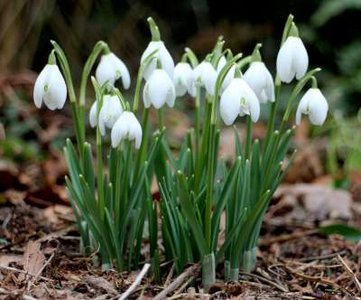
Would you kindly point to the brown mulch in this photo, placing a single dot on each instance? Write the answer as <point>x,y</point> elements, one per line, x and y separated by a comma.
<point>40,259</point>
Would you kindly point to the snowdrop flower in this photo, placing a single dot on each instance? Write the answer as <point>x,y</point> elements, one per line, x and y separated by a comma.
<point>313,104</point>
<point>159,90</point>
<point>182,78</point>
<point>126,127</point>
<point>110,69</point>
<point>292,59</point>
<point>261,82</point>
<point>238,99</point>
<point>109,113</point>
<point>203,75</point>
<point>50,87</point>
<point>230,74</point>
<point>162,55</point>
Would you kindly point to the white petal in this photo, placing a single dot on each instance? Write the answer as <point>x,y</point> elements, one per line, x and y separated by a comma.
<point>208,77</point>
<point>162,54</point>
<point>106,70</point>
<point>318,107</point>
<point>260,80</point>
<point>300,59</point>
<point>109,113</point>
<point>230,102</point>
<point>302,107</point>
<point>135,130</point>
<point>39,86</point>
<point>182,78</point>
<point>55,96</point>
<point>229,77</point>
<point>251,99</point>
<point>284,61</point>
<point>159,89</point>
<point>221,63</point>
<point>121,71</point>
<point>93,120</point>
<point>120,129</point>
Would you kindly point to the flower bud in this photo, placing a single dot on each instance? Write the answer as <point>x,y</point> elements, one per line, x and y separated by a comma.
<point>261,82</point>
<point>162,55</point>
<point>159,90</point>
<point>126,127</point>
<point>50,87</point>
<point>292,59</point>
<point>110,69</point>
<point>313,104</point>
<point>238,99</point>
<point>182,78</point>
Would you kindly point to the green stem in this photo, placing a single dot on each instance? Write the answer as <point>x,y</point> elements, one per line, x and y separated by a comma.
<point>143,146</point>
<point>100,181</point>
<point>249,138</point>
<point>197,118</point>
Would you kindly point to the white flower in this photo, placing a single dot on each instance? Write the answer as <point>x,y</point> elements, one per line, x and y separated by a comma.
<point>261,82</point>
<point>50,87</point>
<point>159,90</point>
<point>126,127</point>
<point>292,60</point>
<point>109,113</point>
<point>182,78</point>
<point>110,69</point>
<point>313,104</point>
<point>230,74</point>
<point>162,55</point>
<point>238,99</point>
<point>203,75</point>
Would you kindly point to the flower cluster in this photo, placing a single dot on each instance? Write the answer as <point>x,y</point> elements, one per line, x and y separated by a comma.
<point>112,206</point>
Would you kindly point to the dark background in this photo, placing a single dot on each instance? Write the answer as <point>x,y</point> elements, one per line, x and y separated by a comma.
<point>330,29</point>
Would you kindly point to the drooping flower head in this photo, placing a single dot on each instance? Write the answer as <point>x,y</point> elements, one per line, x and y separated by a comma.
<point>110,69</point>
<point>126,127</point>
<point>182,78</point>
<point>238,99</point>
<point>158,90</point>
<point>261,82</point>
<point>109,113</point>
<point>313,104</point>
<point>204,75</point>
<point>292,58</point>
<point>50,87</point>
<point>161,55</point>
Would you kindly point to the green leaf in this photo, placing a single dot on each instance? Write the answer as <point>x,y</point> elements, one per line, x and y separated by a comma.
<point>348,232</point>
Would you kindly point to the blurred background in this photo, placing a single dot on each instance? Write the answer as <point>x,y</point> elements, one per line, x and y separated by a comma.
<point>329,28</point>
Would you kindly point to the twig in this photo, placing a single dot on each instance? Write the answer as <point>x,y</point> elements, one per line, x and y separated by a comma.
<point>349,271</point>
<point>37,275</point>
<point>177,282</point>
<point>276,285</point>
<point>136,282</point>
<point>322,257</point>
<point>170,275</point>
<point>24,272</point>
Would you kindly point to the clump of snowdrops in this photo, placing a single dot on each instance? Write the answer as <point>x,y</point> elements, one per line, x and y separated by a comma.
<point>111,194</point>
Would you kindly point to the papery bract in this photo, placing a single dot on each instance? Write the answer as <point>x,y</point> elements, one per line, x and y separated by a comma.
<point>110,69</point>
<point>182,78</point>
<point>126,127</point>
<point>162,55</point>
<point>292,60</point>
<point>158,90</point>
<point>238,99</point>
<point>314,104</point>
<point>203,75</point>
<point>261,82</point>
<point>50,88</point>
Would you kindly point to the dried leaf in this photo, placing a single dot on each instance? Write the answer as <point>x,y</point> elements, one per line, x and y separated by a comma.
<point>33,258</point>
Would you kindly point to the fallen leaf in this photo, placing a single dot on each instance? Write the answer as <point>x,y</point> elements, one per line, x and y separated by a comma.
<point>313,201</point>
<point>33,259</point>
<point>100,283</point>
